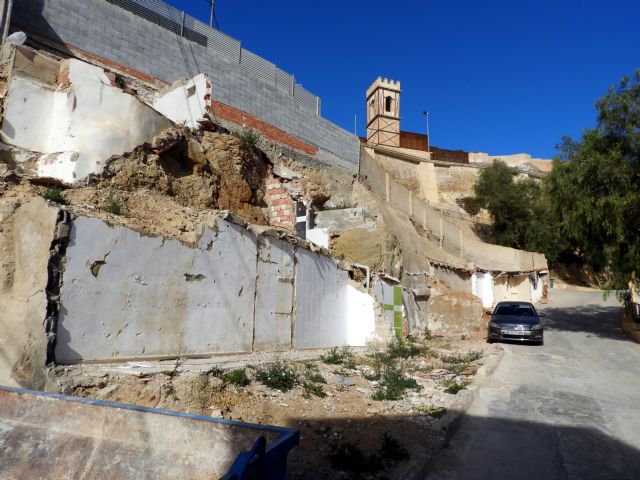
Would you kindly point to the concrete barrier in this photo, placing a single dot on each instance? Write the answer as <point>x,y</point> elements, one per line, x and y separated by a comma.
<point>56,436</point>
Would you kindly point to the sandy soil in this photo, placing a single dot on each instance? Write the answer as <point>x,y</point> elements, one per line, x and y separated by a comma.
<point>347,416</point>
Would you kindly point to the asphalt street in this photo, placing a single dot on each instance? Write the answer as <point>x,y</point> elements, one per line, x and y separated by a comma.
<point>567,410</point>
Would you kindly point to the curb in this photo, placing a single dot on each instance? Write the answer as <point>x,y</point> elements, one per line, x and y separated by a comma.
<point>450,422</point>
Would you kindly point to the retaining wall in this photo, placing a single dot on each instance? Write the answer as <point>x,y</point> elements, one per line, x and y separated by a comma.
<point>117,35</point>
<point>452,238</point>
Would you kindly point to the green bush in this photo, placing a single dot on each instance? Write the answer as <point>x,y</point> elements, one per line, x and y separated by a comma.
<point>237,377</point>
<point>340,356</point>
<point>312,374</point>
<point>54,194</point>
<point>396,383</point>
<point>311,388</point>
<point>278,376</point>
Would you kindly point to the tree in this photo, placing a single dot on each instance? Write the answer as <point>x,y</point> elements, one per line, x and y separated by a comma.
<point>521,212</point>
<point>595,186</point>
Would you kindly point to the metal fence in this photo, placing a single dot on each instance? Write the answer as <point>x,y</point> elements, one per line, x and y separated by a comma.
<point>190,28</point>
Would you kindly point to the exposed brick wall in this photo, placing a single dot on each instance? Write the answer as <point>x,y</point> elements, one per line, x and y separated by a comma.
<point>282,208</point>
<point>239,117</point>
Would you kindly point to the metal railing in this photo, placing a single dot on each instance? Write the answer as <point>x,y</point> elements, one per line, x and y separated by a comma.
<point>190,28</point>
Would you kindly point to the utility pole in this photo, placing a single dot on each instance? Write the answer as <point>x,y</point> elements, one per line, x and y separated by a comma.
<point>426,114</point>
<point>211,2</point>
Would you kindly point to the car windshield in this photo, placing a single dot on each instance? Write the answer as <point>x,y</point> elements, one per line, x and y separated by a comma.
<point>517,310</point>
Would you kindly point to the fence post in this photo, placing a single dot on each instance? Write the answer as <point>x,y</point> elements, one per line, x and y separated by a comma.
<point>182,25</point>
<point>387,187</point>
<point>318,105</point>
<point>239,52</point>
<point>410,203</point>
<point>293,85</point>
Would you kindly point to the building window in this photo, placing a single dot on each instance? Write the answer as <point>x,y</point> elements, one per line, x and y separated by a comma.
<point>387,103</point>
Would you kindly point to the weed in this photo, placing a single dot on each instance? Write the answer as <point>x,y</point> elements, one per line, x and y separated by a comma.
<point>346,456</point>
<point>452,386</point>
<point>237,377</point>
<point>467,358</point>
<point>312,374</point>
<point>54,194</point>
<point>278,376</point>
<point>249,138</point>
<point>174,373</point>
<point>215,372</point>
<point>170,390</point>
<point>349,457</point>
<point>313,389</point>
<point>426,334</point>
<point>402,349</point>
<point>343,205</point>
<point>113,206</point>
<point>396,383</point>
<point>392,451</point>
<point>340,356</point>
<point>435,412</point>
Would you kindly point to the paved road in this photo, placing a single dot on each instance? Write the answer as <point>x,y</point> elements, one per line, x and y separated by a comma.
<point>567,410</point>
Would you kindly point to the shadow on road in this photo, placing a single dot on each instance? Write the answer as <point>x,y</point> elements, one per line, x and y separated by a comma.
<point>505,449</point>
<point>510,449</point>
<point>599,320</point>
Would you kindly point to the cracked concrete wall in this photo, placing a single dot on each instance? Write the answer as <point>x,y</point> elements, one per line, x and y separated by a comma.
<point>126,295</point>
<point>26,235</point>
<point>274,295</point>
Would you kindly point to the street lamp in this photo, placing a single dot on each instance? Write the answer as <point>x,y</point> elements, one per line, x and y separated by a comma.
<point>426,114</point>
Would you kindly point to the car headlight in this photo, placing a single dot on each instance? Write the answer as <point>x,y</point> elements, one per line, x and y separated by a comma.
<point>537,326</point>
<point>494,325</point>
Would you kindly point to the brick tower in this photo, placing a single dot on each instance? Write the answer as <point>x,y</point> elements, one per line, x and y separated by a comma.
<point>383,113</point>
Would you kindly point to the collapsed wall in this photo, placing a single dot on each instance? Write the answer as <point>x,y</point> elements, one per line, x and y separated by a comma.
<point>146,39</point>
<point>72,113</point>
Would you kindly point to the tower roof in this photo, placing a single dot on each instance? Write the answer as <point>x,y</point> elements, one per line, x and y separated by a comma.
<point>386,84</point>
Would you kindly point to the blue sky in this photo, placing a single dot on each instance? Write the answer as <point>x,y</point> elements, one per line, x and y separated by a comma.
<point>499,76</point>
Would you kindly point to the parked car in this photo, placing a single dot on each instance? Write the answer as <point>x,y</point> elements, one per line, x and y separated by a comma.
<point>516,321</point>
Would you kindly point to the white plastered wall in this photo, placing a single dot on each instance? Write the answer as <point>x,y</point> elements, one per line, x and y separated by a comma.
<point>482,287</point>
<point>128,295</point>
<point>329,310</point>
<point>89,121</point>
<point>186,101</point>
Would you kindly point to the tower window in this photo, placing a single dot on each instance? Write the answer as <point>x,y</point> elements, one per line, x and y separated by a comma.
<point>387,103</point>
